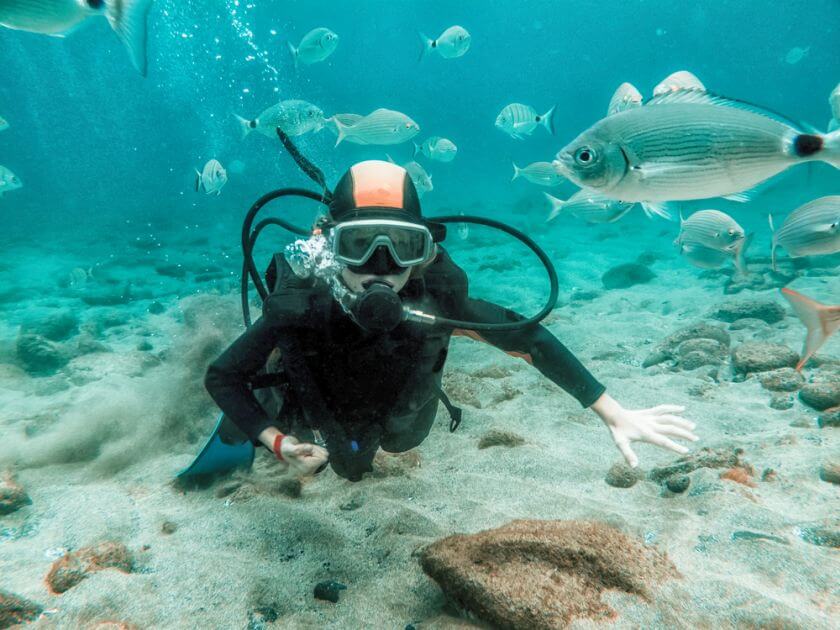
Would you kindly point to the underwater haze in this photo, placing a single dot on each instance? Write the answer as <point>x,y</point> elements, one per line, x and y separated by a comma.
<point>120,262</point>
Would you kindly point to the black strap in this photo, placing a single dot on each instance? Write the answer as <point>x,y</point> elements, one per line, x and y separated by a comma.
<point>455,413</point>
<point>271,379</point>
<point>313,172</point>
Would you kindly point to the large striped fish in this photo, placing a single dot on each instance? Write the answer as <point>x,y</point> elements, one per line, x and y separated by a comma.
<point>689,144</point>
<point>589,206</point>
<point>61,17</point>
<point>381,126</point>
<point>810,230</point>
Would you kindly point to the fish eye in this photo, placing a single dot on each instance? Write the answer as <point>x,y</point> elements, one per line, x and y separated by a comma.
<point>585,155</point>
<point>14,180</point>
<point>408,125</point>
<point>95,4</point>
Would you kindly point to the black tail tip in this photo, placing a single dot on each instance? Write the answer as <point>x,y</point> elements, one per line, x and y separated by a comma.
<point>807,144</point>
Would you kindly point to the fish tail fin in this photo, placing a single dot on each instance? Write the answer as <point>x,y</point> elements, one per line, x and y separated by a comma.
<point>390,159</point>
<point>831,148</point>
<point>428,44</point>
<point>547,119</point>
<point>516,172</point>
<point>342,131</point>
<point>294,52</point>
<point>416,149</point>
<point>821,321</point>
<point>652,209</point>
<point>244,125</point>
<point>773,246</point>
<point>741,253</point>
<point>556,206</point>
<point>128,19</point>
<point>197,181</point>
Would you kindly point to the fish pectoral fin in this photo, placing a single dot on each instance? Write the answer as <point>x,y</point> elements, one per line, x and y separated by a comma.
<point>659,209</point>
<point>129,23</point>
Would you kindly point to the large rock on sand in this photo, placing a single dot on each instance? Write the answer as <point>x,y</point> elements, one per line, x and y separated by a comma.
<point>822,394</point>
<point>543,574</point>
<point>15,610</point>
<point>700,338</point>
<point>769,311</point>
<point>627,275</point>
<point>12,495</point>
<point>74,567</point>
<point>760,356</point>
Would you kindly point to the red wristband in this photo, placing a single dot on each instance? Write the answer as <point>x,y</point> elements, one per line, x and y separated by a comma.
<point>278,441</point>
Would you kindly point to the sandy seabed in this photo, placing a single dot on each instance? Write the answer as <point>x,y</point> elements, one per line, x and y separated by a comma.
<point>97,441</point>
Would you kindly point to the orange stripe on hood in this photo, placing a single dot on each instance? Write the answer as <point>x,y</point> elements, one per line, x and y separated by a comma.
<point>378,183</point>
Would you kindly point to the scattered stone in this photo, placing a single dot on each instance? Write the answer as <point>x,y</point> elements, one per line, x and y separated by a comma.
<point>702,458</point>
<point>784,379</point>
<point>668,349</point>
<point>12,495</point>
<point>493,371</point>
<point>627,275</point>
<point>829,418</point>
<point>38,355</point>
<point>111,297</point>
<point>821,536</point>
<point>260,618</point>
<point>621,475</point>
<point>56,326</point>
<point>678,483</point>
<point>830,473</point>
<point>694,360</point>
<point>743,534</point>
<point>781,402</point>
<point>15,610</point>
<point>543,575</point>
<point>761,356</point>
<point>156,308</point>
<point>582,295</point>
<point>801,423</point>
<point>329,590</point>
<point>495,437</point>
<point>769,311</point>
<point>821,395</point>
<point>353,504</point>
<point>168,528</point>
<point>748,323</point>
<point>395,464</point>
<point>648,258</point>
<point>75,566</point>
<point>290,487</point>
<point>145,346</point>
<point>769,475</point>
<point>171,271</point>
<point>739,474</point>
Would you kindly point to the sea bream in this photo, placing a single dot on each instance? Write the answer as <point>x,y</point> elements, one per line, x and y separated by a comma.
<point>437,148</point>
<point>348,120</point>
<point>211,179</point>
<point>294,116</point>
<point>810,230</point>
<point>541,173</point>
<point>61,17</point>
<point>381,126</point>
<point>421,179</point>
<point>454,42</point>
<point>518,120</point>
<point>8,181</point>
<point>686,145</point>
<point>4,124</point>
<point>589,206</point>
<point>316,45</point>
<point>821,320</point>
<point>834,103</point>
<point>707,233</point>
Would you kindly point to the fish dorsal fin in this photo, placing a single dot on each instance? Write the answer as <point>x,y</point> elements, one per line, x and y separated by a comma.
<point>701,96</point>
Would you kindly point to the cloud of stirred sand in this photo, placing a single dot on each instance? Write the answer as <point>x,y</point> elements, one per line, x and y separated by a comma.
<point>120,421</point>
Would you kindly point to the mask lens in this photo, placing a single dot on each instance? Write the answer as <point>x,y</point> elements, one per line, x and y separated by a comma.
<point>355,243</point>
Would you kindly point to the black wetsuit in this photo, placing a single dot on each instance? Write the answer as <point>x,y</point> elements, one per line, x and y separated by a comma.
<point>381,388</point>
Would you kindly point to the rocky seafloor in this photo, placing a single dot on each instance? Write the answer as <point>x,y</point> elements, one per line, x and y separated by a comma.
<point>103,346</point>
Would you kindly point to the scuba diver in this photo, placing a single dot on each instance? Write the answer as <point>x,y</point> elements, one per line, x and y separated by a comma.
<point>348,354</point>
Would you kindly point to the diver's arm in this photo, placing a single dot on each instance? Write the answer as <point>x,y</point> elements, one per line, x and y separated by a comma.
<point>537,346</point>
<point>228,378</point>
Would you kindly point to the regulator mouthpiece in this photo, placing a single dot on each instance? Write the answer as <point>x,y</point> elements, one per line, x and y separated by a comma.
<point>378,308</point>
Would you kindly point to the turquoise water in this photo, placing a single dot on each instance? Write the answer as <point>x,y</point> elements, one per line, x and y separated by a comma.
<point>133,277</point>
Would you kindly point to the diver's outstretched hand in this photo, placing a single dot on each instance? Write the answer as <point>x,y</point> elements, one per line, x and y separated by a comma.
<point>302,458</point>
<point>655,426</point>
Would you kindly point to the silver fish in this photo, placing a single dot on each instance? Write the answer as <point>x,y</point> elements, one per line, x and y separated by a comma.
<point>518,120</point>
<point>4,124</point>
<point>542,173</point>
<point>316,45</point>
<point>715,230</point>
<point>625,97</point>
<point>61,17</point>
<point>8,181</point>
<point>294,117</point>
<point>810,230</point>
<point>676,81</point>
<point>702,256</point>
<point>821,320</point>
<point>211,179</point>
<point>382,126</point>
<point>589,206</point>
<point>422,180</point>
<point>463,228</point>
<point>453,42</point>
<point>796,54</point>
<point>348,120</point>
<point>834,102</point>
<point>437,148</point>
<point>689,145</point>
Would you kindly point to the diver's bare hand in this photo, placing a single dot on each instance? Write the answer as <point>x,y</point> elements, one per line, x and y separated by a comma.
<point>655,426</point>
<point>303,458</point>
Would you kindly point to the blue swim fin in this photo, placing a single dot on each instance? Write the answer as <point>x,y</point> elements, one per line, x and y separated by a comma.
<point>227,449</point>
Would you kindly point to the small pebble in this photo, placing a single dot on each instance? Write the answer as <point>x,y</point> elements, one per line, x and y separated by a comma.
<point>678,483</point>
<point>329,590</point>
<point>620,475</point>
<point>168,527</point>
<point>830,473</point>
